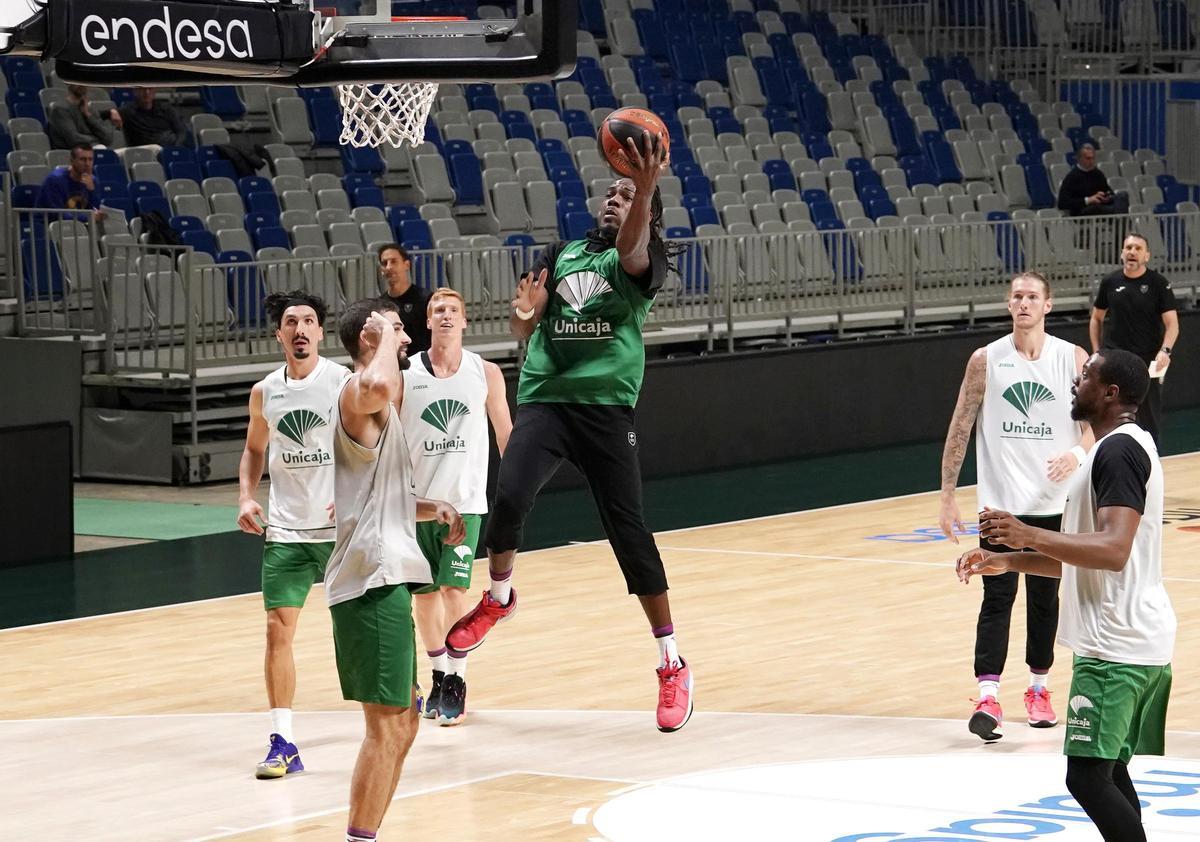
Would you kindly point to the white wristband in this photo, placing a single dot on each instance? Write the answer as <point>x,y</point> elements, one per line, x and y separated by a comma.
<point>524,315</point>
<point>1079,453</point>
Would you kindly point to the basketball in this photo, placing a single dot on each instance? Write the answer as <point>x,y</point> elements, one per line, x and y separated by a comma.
<point>623,124</point>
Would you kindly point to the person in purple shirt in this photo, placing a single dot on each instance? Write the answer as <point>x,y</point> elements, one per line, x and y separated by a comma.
<point>73,187</point>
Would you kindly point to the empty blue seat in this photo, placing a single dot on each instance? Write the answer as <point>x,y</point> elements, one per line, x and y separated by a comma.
<point>110,174</point>
<point>219,168</point>
<point>467,179</point>
<point>243,287</point>
<point>368,196</point>
<point>185,169</point>
<point>571,187</point>
<point>364,159</point>
<point>325,119</point>
<point>704,215</point>
<point>779,174</point>
<point>524,130</point>
<point>1038,185</point>
<point>270,236</point>
<point>416,230</point>
<point>153,204</point>
<point>200,240</point>
<point>222,100</point>
<point>170,154</point>
<point>262,201</point>
<point>575,226</point>
<point>255,220</point>
<point>180,224</point>
<point>43,280</point>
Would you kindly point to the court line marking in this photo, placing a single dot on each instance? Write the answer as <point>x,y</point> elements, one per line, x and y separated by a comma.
<point>852,504</point>
<point>502,712</point>
<point>944,565</point>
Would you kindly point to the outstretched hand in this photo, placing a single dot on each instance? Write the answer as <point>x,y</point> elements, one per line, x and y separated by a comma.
<point>979,562</point>
<point>648,162</point>
<point>1001,528</point>
<point>531,292</point>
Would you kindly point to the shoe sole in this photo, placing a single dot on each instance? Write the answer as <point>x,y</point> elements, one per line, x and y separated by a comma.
<point>450,723</point>
<point>1042,723</point>
<point>984,727</point>
<point>272,774</point>
<point>479,642</point>
<point>691,707</point>
<point>430,713</point>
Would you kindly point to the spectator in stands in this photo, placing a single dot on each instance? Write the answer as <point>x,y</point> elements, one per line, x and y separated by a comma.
<point>73,121</point>
<point>411,300</point>
<point>148,122</point>
<point>1085,190</point>
<point>73,187</point>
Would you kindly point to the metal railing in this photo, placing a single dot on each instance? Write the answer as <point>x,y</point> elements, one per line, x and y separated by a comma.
<point>173,311</point>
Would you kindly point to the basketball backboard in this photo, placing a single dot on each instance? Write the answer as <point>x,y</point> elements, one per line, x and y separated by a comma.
<point>187,42</point>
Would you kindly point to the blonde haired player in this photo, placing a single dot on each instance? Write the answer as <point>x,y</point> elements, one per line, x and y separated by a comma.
<point>448,390</point>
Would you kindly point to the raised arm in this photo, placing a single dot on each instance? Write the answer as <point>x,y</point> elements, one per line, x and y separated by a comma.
<point>970,398</point>
<point>633,239</point>
<point>1107,548</point>
<point>1096,328</point>
<point>529,303</point>
<point>497,405</point>
<point>250,470</point>
<point>369,391</point>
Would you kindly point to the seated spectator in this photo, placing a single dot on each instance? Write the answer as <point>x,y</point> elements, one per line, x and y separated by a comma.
<point>1085,190</point>
<point>73,122</point>
<point>151,123</point>
<point>73,187</point>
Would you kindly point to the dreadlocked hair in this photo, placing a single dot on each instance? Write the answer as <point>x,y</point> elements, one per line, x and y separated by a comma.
<point>670,249</point>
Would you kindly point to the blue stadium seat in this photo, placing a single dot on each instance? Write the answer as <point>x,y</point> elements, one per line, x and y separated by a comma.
<point>268,236</point>
<point>243,287</point>
<point>568,205</point>
<point>678,232</point>
<point>653,35</point>
<point>878,207</point>
<point>172,154</point>
<point>416,231</point>
<point>571,187</point>
<point>704,215</point>
<point>110,174</point>
<point>180,224</point>
<point>779,174</point>
<point>690,201</point>
<point>368,196</point>
<point>1008,242</point>
<point>941,158</point>
<point>524,240</point>
<point>524,130</point>
<point>398,214</point>
<point>325,119</point>
<point>253,221</point>
<point>184,169</point>
<point>362,160</point>
<point>138,189</point>
<point>222,100</point>
<point>918,171</point>
<point>1038,185</point>
<point>466,177</point>
<point>262,201</point>
<point>201,240</point>
<point>253,184</point>
<point>41,282</point>
<point>219,167</point>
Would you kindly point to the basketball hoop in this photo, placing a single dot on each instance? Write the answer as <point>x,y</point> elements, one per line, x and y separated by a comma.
<point>373,115</point>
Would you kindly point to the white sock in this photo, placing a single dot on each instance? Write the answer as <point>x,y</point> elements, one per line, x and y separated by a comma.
<point>1041,682</point>
<point>502,588</point>
<point>667,651</point>
<point>989,688</point>
<point>457,666</point>
<point>281,723</point>
<point>439,661</point>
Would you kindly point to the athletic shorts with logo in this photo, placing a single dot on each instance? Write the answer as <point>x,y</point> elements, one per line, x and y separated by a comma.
<point>374,643</point>
<point>451,565</point>
<point>1116,710</point>
<point>289,571</point>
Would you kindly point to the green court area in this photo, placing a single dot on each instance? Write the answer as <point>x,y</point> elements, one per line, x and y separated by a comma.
<point>149,520</point>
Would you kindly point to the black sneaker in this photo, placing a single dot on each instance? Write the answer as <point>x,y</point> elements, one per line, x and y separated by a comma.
<point>433,701</point>
<point>453,703</point>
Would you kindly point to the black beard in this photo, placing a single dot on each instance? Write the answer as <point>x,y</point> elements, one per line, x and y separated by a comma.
<point>300,353</point>
<point>403,360</point>
<point>1078,413</point>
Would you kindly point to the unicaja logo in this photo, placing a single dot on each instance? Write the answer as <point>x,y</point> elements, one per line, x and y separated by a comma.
<point>441,413</point>
<point>296,424</point>
<point>1026,394</point>
<point>162,38</point>
<point>582,288</point>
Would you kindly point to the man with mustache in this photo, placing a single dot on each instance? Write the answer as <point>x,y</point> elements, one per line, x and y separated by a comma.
<point>290,412</point>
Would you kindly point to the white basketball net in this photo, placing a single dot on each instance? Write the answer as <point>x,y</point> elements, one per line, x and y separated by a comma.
<point>393,114</point>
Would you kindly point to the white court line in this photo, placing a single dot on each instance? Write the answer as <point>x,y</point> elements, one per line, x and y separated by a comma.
<point>225,834</point>
<point>943,565</point>
<point>580,816</point>
<point>851,505</point>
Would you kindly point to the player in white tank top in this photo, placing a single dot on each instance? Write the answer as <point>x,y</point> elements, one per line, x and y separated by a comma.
<point>1117,617</point>
<point>290,419</point>
<point>1016,394</point>
<point>449,396</point>
<point>376,556</point>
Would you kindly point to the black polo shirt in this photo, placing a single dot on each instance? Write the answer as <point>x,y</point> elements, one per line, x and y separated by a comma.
<point>412,305</point>
<point>1134,312</point>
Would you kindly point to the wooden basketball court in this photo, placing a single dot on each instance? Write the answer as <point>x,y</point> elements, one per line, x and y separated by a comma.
<point>830,647</point>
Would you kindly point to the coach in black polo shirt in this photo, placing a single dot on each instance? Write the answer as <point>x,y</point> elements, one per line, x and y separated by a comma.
<point>411,300</point>
<point>1135,310</point>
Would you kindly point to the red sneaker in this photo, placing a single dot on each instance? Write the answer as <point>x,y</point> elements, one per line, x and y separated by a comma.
<point>674,696</point>
<point>470,631</point>
<point>1037,704</point>
<point>985,722</point>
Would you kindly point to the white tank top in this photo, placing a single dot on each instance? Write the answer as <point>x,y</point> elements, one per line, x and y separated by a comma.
<point>376,516</point>
<point>445,422</point>
<point>300,452</point>
<point>1125,616</point>
<point>1024,421</point>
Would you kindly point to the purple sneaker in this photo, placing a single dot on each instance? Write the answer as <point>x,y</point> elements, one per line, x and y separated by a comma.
<point>283,758</point>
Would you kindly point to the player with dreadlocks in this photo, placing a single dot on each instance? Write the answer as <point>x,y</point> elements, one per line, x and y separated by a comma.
<point>581,308</point>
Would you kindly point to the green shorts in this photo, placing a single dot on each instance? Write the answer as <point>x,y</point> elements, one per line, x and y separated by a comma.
<point>1116,710</point>
<point>289,570</point>
<point>374,641</point>
<point>451,565</point>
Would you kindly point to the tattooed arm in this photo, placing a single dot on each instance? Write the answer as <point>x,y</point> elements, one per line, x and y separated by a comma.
<point>970,398</point>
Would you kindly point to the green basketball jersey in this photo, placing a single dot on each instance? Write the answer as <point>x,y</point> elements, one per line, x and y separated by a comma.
<point>587,348</point>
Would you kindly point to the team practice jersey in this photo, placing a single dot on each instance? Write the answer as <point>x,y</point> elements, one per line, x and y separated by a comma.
<point>376,515</point>
<point>1025,419</point>
<point>587,348</point>
<point>300,458</point>
<point>445,424</point>
<point>1124,617</point>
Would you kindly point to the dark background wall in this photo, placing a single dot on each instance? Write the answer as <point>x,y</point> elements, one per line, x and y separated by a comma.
<point>707,413</point>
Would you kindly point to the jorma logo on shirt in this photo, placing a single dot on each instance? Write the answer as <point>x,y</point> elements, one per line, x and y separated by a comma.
<point>578,291</point>
<point>1024,395</point>
<point>296,425</point>
<point>439,414</point>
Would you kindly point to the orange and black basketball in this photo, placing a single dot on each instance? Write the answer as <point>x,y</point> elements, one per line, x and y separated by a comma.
<point>623,124</point>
